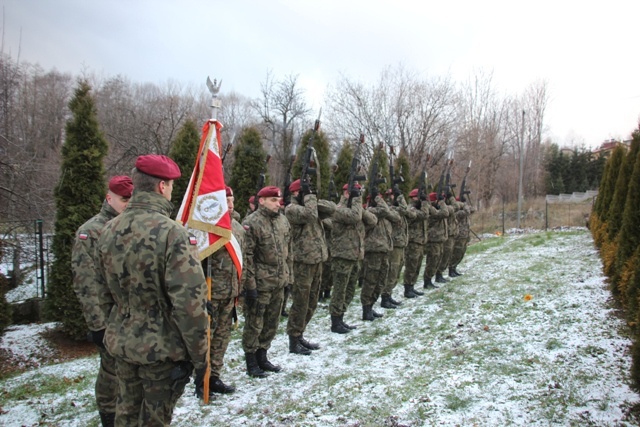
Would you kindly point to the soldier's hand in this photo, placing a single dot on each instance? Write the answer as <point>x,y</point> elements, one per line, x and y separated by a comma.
<point>305,186</point>
<point>250,297</point>
<point>97,337</point>
<point>396,192</point>
<point>209,306</point>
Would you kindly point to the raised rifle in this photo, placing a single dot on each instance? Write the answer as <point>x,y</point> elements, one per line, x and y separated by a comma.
<point>463,187</point>
<point>395,180</point>
<point>261,181</point>
<point>448,186</point>
<point>446,173</point>
<point>354,178</point>
<point>307,169</point>
<point>375,178</point>
<point>332,191</point>
<point>286,193</point>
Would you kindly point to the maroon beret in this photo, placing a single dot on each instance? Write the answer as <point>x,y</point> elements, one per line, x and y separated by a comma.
<point>270,191</point>
<point>121,185</point>
<point>252,199</point>
<point>158,166</point>
<point>346,186</point>
<point>414,193</point>
<point>433,197</point>
<point>295,186</point>
<point>228,191</point>
<point>389,191</point>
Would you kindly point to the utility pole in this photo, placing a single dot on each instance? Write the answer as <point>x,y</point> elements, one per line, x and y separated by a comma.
<point>521,171</point>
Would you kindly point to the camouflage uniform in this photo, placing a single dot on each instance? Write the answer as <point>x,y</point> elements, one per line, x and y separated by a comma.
<point>157,323</point>
<point>437,234</point>
<point>400,238</point>
<point>377,246</point>
<point>225,288</point>
<point>452,232</point>
<point>309,253</point>
<point>417,240</point>
<point>464,235</point>
<point>268,269</point>
<point>86,289</point>
<point>326,282</point>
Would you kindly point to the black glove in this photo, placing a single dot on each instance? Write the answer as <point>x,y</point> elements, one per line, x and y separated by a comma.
<point>356,192</point>
<point>209,306</point>
<point>374,193</point>
<point>418,204</point>
<point>305,186</point>
<point>396,192</point>
<point>250,297</point>
<point>440,196</point>
<point>97,337</point>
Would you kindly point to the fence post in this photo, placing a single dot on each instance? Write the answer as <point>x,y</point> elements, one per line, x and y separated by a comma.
<point>41,255</point>
<point>546,214</point>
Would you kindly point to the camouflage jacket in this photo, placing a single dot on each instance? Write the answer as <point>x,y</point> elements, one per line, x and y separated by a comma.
<point>464,225</point>
<point>224,275</point>
<point>452,221</point>
<point>83,268</point>
<point>268,251</point>
<point>308,236</point>
<point>378,237</point>
<point>400,231</point>
<point>151,267</point>
<point>418,227</point>
<point>347,229</point>
<point>437,227</point>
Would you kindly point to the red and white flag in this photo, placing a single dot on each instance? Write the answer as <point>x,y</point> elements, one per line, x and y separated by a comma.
<point>204,211</point>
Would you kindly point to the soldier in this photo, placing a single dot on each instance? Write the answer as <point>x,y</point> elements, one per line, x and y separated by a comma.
<point>399,237</point>
<point>225,288</point>
<point>377,247</point>
<point>417,239</point>
<point>326,283</point>
<point>347,251</point>
<point>252,206</point>
<point>452,232</point>
<point>463,237</point>
<point>156,296</point>
<point>268,269</point>
<point>437,234</point>
<point>85,286</point>
<point>309,251</point>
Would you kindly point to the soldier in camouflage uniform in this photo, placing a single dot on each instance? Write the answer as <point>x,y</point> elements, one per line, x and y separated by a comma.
<point>85,286</point>
<point>463,237</point>
<point>452,232</point>
<point>377,247</point>
<point>156,296</point>
<point>326,282</point>
<point>309,253</point>
<point>418,234</point>
<point>399,237</point>
<point>225,288</point>
<point>347,252</point>
<point>437,234</point>
<point>268,269</point>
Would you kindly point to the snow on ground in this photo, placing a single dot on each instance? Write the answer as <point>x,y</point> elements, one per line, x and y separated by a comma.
<point>526,337</point>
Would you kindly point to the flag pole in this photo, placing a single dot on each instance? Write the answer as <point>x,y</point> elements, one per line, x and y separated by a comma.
<point>214,88</point>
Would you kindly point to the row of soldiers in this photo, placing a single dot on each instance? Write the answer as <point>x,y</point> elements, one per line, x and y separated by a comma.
<point>144,296</point>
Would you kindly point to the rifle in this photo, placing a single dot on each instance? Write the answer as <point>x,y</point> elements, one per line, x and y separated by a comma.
<point>332,193</point>
<point>463,187</point>
<point>286,193</point>
<point>423,191</point>
<point>375,178</point>
<point>261,181</point>
<point>395,180</point>
<point>353,172</point>
<point>444,185</point>
<point>307,170</point>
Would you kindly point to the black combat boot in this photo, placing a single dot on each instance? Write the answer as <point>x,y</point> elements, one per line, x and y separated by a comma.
<point>217,386</point>
<point>428,284</point>
<point>107,419</point>
<point>296,348</point>
<point>253,369</point>
<point>345,324</point>
<point>394,302</point>
<point>367,313</point>
<point>453,272</point>
<point>263,362</point>
<point>409,292</point>
<point>375,314</point>
<point>310,345</point>
<point>417,292</point>
<point>337,326</point>
<point>386,302</point>
<point>440,278</point>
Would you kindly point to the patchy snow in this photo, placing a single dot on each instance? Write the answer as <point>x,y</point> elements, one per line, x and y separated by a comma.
<point>526,337</point>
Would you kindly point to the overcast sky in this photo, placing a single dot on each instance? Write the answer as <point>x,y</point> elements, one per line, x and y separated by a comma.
<point>586,51</point>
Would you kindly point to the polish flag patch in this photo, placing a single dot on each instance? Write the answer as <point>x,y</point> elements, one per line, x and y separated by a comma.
<point>83,236</point>
<point>193,241</point>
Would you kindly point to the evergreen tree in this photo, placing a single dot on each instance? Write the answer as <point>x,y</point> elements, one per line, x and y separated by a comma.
<point>79,195</point>
<point>628,238</point>
<point>249,163</point>
<point>184,151</point>
<point>383,170</point>
<point>321,145</point>
<point>617,206</point>
<point>605,194</point>
<point>402,168</point>
<point>345,157</point>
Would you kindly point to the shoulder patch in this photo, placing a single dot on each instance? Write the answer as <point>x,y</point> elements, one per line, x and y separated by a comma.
<point>192,240</point>
<point>83,236</point>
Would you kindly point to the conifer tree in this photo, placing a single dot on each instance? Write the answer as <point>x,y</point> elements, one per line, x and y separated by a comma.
<point>628,239</point>
<point>614,215</point>
<point>383,170</point>
<point>321,145</point>
<point>605,193</point>
<point>184,151</point>
<point>345,157</point>
<point>249,163</point>
<point>402,168</point>
<point>79,195</point>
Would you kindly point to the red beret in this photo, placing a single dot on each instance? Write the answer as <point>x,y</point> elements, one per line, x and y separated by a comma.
<point>458,198</point>
<point>433,197</point>
<point>295,186</point>
<point>121,185</point>
<point>346,186</point>
<point>159,166</point>
<point>252,199</point>
<point>414,193</point>
<point>389,191</point>
<point>270,191</point>
<point>228,191</point>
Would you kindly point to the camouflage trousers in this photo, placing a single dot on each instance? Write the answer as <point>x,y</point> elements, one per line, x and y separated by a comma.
<point>345,276</point>
<point>147,394</point>
<point>376,270</point>
<point>396,258</point>
<point>106,383</point>
<point>459,249</point>
<point>305,293</point>
<point>220,333</point>
<point>413,256</point>
<point>447,249</point>
<point>327,281</point>
<point>433,252</point>
<point>261,320</point>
